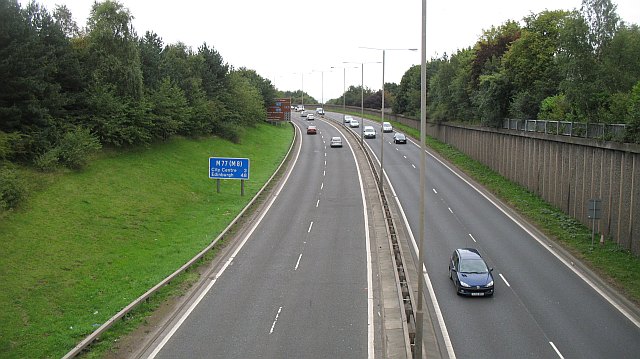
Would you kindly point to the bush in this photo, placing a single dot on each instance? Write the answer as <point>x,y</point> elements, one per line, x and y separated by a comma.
<point>48,161</point>
<point>76,147</point>
<point>12,188</point>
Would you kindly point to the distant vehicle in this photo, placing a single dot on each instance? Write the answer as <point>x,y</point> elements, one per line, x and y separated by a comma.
<point>336,142</point>
<point>470,273</point>
<point>354,123</point>
<point>386,127</point>
<point>347,119</point>
<point>320,111</point>
<point>300,108</point>
<point>310,117</point>
<point>304,114</point>
<point>369,132</point>
<point>399,138</point>
<point>312,130</point>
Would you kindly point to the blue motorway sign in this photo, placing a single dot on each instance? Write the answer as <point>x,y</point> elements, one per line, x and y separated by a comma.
<point>229,168</point>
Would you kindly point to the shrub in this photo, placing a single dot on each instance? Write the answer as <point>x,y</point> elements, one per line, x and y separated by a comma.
<point>76,146</point>
<point>48,161</point>
<point>12,188</point>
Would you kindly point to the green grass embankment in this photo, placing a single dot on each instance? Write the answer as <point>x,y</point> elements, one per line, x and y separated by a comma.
<point>88,243</point>
<point>616,265</point>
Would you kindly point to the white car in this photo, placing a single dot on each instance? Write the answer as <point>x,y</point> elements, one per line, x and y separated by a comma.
<point>304,114</point>
<point>336,142</point>
<point>320,111</point>
<point>386,127</point>
<point>369,132</point>
<point>310,117</point>
<point>354,123</point>
<point>347,119</point>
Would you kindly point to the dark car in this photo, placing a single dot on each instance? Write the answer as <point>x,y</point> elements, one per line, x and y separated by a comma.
<point>399,138</point>
<point>470,273</point>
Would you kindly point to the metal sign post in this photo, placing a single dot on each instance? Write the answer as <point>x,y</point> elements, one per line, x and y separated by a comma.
<point>595,209</point>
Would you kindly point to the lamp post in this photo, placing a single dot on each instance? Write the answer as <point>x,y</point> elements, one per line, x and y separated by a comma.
<point>362,95</point>
<point>344,89</point>
<point>322,86</point>
<point>381,179</point>
<point>423,165</point>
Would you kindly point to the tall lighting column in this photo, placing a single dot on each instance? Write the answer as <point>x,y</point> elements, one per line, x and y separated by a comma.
<point>423,165</point>
<point>362,95</point>
<point>344,90</point>
<point>381,179</point>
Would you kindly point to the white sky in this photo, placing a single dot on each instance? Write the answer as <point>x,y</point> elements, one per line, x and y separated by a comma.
<point>282,40</point>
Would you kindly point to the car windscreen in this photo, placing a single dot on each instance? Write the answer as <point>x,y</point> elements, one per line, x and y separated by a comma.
<point>473,266</point>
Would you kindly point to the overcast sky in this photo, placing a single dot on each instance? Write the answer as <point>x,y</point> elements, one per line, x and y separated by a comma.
<point>287,40</point>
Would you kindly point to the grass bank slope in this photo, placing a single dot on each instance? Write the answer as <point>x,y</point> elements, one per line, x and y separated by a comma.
<point>87,243</point>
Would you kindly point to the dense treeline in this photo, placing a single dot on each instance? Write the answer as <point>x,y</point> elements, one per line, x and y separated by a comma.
<point>66,91</point>
<point>559,65</point>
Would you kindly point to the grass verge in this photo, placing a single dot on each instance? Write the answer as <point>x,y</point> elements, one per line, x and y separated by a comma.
<point>616,265</point>
<point>88,243</point>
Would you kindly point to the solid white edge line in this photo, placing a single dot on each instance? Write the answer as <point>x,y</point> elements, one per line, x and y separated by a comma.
<point>275,320</point>
<point>432,294</point>
<point>215,279</point>
<point>556,349</point>
<point>544,245</point>
<point>505,280</point>
<point>370,326</point>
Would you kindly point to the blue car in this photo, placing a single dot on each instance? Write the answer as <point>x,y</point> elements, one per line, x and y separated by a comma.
<point>470,273</point>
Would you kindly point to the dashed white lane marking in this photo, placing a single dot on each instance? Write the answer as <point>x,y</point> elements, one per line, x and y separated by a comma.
<point>298,262</point>
<point>556,349</point>
<point>324,173</point>
<point>322,185</point>
<point>275,320</point>
<point>472,238</point>
<point>505,280</point>
<point>434,191</point>
<point>450,210</point>
<point>317,203</point>
<point>414,166</point>
<point>310,225</point>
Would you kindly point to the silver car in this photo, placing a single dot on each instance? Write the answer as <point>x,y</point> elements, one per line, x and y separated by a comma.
<point>336,142</point>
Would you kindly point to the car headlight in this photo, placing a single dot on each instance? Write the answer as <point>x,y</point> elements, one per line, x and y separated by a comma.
<point>464,284</point>
<point>490,284</point>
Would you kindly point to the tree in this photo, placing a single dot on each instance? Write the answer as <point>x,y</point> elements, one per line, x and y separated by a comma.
<point>530,64</point>
<point>113,50</point>
<point>151,58</point>
<point>602,19</point>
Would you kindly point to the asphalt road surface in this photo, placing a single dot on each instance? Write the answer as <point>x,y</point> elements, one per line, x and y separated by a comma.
<point>298,287</point>
<point>541,308</point>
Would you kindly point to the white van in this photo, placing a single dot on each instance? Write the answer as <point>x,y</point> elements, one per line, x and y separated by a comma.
<point>369,132</point>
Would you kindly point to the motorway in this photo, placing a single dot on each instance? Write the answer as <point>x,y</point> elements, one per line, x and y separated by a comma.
<point>542,308</point>
<point>298,285</point>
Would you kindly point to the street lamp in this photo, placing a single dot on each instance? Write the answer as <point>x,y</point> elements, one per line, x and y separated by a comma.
<point>382,112</point>
<point>423,180</point>
<point>344,89</point>
<point>362,95</point>
<point>322,86</point>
